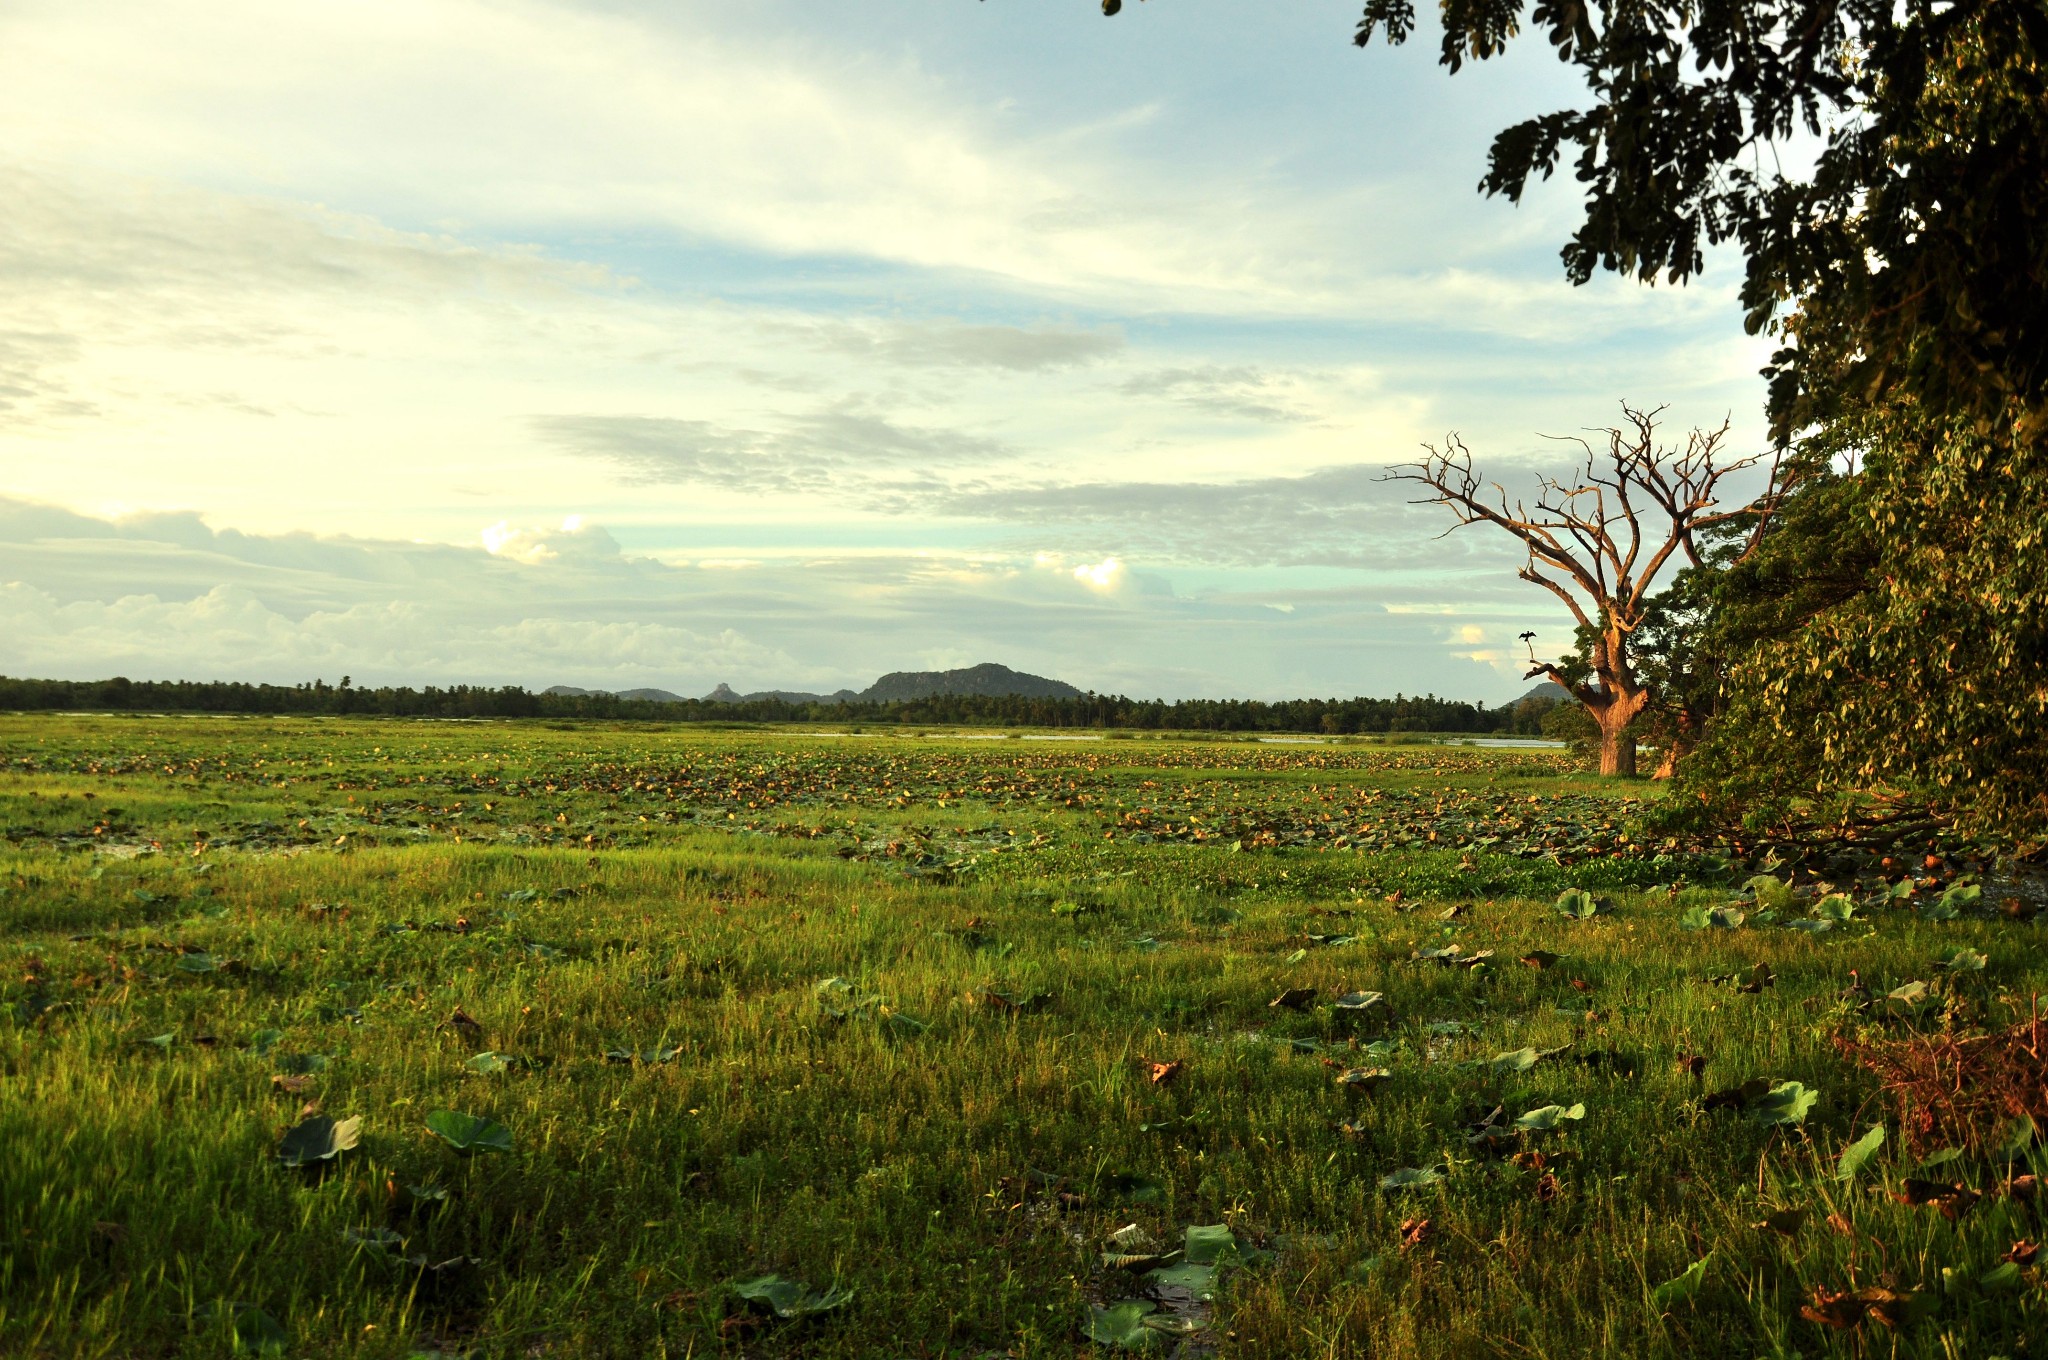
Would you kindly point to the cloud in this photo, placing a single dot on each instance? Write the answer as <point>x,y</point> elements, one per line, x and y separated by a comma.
<point>1018,349</point>
<point>1103,575</point>
<point>808,453</point>
<point>1347,516</point>
<point>574,539</point>
<point>1234,392</point>
<point>167,596</point>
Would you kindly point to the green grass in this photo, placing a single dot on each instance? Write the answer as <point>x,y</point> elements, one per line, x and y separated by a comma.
<point>956,1165</point>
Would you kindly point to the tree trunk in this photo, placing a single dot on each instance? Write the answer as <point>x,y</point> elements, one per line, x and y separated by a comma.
<point>1618,702</point>
<point>1617,744</point>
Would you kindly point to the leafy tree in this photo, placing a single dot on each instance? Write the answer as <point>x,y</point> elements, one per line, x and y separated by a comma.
<point>1908,261</point>
<point>1889,640</point>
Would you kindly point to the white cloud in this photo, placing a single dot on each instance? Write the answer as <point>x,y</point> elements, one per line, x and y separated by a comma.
<point>534,546</point>
<point>1105,575</point>
<point>167,596</point>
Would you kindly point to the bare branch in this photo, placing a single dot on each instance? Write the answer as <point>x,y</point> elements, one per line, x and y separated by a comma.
<point>1600,541</point>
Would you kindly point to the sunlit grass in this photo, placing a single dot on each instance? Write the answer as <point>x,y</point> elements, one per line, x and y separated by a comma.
<point>957,1165</point>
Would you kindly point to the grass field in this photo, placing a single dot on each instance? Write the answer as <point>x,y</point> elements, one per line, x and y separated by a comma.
<point>979,1047</point>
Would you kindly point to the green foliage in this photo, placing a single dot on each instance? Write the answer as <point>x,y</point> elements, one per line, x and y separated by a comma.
<point>1683,1287</point>
<point>1890,638</point>
<point>1572,725</point>
<point>790,1299</point>
<point>319,1138</point>
<point>1902,262</point>
<point>1545,1118</point>
<point>1123,1325</point>
<point>468,1133</point>
<point>1576,904</point>
<point>1857,1155</point>
<point>1787,1103</point>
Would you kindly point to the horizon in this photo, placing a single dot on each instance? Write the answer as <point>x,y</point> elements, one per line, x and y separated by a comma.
<point>1083,691</point>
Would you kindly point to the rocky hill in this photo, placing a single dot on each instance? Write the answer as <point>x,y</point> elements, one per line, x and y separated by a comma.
<point>895,687</point>
<point>657,696</point>
<point>987,678</point>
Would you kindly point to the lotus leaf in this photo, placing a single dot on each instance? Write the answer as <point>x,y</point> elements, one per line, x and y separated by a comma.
<point>1547,1117</point>
<point>469,1133</point>
<point>1198,1280</point>
<point>1787,1103</point>
<point>1683,1287</point>
<point>1123,1325</point>
<point>253,1327</point>
<point>790,1299</point>
<point>1410,1178</point>
<point>1857,1155</point>
<point>318,1139</point>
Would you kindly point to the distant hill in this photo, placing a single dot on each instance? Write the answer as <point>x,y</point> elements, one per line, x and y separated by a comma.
<point>1546,689</point>
<point>898,686</point>
<point>987,678</point>
<point>656,696</point>
<point>726,694</point>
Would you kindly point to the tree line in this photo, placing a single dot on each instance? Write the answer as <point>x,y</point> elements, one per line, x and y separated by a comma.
<point>1402,713</point>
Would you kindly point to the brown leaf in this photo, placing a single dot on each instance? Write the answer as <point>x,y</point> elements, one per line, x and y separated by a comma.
<point>2021,1253</point>
<point>291,1086</point>
<point>1786,1222</point>
<point>2023,1187</point>
<point>1736,1097</point>
<point>1546,1188</point>
<point>1890,1308</point>
<point>1953,1200</point>
<point>1165,1072</point>
<point>1840,1311</point>
<point>1582,985</point>
<point>1415,1232</point>
<point>1959,1204</point>
<point>1841,1225</point>
<point>1532,1160</point>
<point>1918,1192</point>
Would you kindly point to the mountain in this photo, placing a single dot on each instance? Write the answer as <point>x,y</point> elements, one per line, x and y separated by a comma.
<point>895,687</point>
<point>1546,689</point>
<point>987,678</point>
<point>726,694</point>
<point>656,696</point>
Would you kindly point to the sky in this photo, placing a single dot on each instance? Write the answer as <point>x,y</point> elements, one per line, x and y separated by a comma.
<point>781,344</point>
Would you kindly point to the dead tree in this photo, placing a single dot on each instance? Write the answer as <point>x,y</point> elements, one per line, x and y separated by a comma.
<point>1588,545</point>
